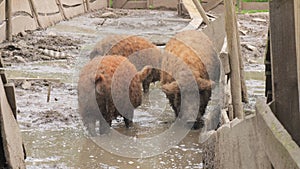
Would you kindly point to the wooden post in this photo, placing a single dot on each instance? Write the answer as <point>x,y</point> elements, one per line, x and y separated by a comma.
<point>242,73</point>
<point>35,13</point>
<point>61,9</point>
<point>297,28</point>
<point>201,11</point>
<point>8,16</point>
<point>233,51</point>
<point>88,5</point>
<point>284,65</point>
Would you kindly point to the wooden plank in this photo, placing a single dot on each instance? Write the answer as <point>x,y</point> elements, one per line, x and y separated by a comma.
<point>2,21</point>
<point>282,151</point>
<point>268,71</point>
<point>225,118</point>
<point>11,98</point>
<point>284,66</point>
<point>98,4</point>
<point>10,132</point>
<point>71,8</point>
<point>297,28</point>
<point>135,5</point>
<point>21,23</point>
<point>3,76</point>
<point>254,5</point>
<point>47,12</point>
<point>194,14</point>
<point>168,4</point>
<point>23,6</point>
<point>119,3</point>
<point>238,146</point>
<point>225,58</point>
<point>211,4</point>
<point>23,18</point>
<point>2,10</point>
<point>1,61</point>
<point>233,51</point>
<point>34,13</point>
<point>216,31</point>
<point>201,11</point>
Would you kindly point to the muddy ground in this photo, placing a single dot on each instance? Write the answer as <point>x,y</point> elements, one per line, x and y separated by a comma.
<point>51,59</point>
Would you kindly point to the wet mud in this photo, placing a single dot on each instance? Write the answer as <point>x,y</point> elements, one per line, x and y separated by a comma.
<point>50,60</point>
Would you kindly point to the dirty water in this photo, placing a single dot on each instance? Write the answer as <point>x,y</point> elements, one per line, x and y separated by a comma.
<point>53,133</point>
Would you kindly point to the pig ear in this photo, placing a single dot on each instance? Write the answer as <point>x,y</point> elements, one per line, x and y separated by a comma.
<point>98,81</point>
<point>205,84</point>
<point>170,88</point>
<point>142,75</point>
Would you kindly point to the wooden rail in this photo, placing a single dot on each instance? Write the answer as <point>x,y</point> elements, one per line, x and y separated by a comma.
<point>22,15</point>
<point>257,142</point>
<point>12,153</point>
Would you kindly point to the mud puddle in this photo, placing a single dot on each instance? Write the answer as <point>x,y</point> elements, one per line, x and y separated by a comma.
<point>253,33</point>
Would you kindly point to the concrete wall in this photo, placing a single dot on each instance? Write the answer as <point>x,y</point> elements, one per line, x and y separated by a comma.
<point>258,142</point>
<point>32,14</point>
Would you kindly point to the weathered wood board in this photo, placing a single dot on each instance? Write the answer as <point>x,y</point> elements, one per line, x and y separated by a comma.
<point>254,5</point>
<point>135,5</point>
<point>10,132</point>
<point>284,66</point>
<point>169,4</point>
<point>72,7</point>
<point>216,31</point>
<point>257,142</point>
<point>211,4</point>
<point>278,144</point>
<point>297,28</point>
<point>97,4</point>
<point>48,12</point>
<point>194,14</point>
<point>2,21</point>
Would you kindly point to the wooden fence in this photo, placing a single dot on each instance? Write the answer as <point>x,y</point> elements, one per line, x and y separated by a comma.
<point>20,15</point>
<point>253,5</point>
<point>257,142</point>
<point>12,153</point>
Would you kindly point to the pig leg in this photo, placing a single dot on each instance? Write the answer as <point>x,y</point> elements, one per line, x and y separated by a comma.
<point>104,120</point>
<point>146,83</point>
<point>128,119</point>
<point>90,123</point>
<point>104,126</point>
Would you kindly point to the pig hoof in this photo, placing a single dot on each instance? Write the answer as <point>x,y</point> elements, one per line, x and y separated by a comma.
<point>128,122</point>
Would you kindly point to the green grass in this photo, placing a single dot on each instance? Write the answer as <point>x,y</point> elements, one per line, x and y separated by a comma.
<point>252,11</point>
<point>110,3</point>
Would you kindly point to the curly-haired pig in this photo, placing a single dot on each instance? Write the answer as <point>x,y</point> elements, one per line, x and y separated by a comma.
<point>109,86</point>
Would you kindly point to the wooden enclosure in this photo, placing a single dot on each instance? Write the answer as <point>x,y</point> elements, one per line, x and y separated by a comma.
<point>145,4</point>
<point>17,16</point>
<point>12,153</point>
<point>284,43</point>
<point>253,5</point>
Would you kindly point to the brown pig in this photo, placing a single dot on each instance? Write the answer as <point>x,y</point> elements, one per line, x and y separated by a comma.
<point>128,45</point>
<point>189,74</point>
<point>109,86</point>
